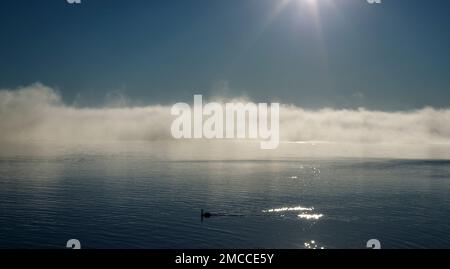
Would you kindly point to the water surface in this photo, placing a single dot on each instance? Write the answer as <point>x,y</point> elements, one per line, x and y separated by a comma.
<point>138,195</point>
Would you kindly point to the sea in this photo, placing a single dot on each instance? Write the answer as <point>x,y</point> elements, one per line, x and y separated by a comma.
<point>149,195</point>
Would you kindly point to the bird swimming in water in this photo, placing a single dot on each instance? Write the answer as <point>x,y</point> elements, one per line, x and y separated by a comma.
<point>207,215</point>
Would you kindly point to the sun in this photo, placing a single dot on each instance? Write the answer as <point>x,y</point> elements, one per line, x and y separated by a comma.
<point>307,8</point>
<point>313,6</point>
<point>312,2</point>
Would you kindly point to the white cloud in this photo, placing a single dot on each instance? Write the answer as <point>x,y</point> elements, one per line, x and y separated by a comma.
<point>426,125</point>
<point>37,112</point>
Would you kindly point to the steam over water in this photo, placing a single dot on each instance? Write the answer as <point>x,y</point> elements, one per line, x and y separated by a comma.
<point>37,113</point>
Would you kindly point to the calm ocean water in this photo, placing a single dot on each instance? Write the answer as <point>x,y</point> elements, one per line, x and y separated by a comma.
<point>141,195</point>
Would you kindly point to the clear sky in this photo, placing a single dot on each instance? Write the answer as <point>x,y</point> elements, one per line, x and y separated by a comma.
<point>336,53</point>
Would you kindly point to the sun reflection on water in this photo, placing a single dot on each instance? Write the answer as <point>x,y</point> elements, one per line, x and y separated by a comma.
<point>285,209</point>
<point>310,216</point>
<point>312,245</point>
<point>305,213</point>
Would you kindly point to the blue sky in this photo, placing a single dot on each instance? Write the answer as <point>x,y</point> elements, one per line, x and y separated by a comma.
<point>392,56</point>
